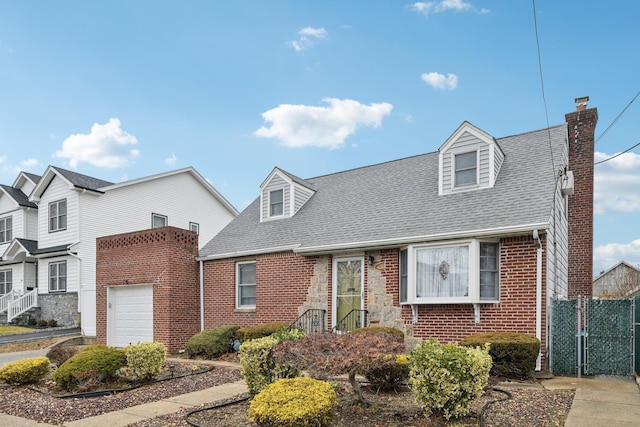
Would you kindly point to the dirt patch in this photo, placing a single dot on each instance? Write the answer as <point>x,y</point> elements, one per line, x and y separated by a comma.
<point>38,344</point>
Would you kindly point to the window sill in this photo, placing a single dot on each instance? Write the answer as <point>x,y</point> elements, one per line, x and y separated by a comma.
<point>244,310</point>
<point>448,301</point>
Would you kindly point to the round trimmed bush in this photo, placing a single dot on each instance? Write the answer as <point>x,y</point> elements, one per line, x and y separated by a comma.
<point>211,343</point>
<point>514,354</point>
<point>97,362</point>
<point>146,359</point>
<point>25,371</point>
<point>295,402</point>
<point>382,329</point>
<point>259,331</point>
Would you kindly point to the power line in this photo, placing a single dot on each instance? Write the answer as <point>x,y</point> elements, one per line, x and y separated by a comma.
<point>617,117</point>
<point>616,155</point>
<point>544,99</point>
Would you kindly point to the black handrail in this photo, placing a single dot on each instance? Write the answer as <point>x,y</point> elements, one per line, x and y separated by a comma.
<point>311,321</point>
<point>353,320</point>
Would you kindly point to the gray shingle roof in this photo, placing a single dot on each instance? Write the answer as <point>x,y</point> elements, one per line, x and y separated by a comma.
<point>32,176</point>
<point>18,196</point>
<point>398,200</point>
<point>83,181</point>
<point>30,245</point>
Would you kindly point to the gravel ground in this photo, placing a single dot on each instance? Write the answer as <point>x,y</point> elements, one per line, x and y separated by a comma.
<point>525,408</point>
<point>28,403</point>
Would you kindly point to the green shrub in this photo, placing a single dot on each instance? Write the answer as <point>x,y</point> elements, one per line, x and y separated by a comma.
<point>514,354</point>
<point>259,367</point>
<point>381,329</point>
<point>146,359</point>
<point>60,354</point>
<point>447,378</point>
<point>389,373</point>
<point>25,371</point>
<point>259,331</point>
<point>42,323</point>
<point>211,343</point>
<point>96,363</point>
<point>296,402</point>
<point>52,323</point>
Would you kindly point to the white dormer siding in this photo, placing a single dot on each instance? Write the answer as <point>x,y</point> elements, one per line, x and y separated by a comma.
<point>466,143</point>
<point>294,195</point>
<point>276,184</point>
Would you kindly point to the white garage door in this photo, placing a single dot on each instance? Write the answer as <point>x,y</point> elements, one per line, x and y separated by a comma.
<point>130,315</point>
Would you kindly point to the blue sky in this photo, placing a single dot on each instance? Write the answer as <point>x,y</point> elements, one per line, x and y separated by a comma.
<point>124,89</point>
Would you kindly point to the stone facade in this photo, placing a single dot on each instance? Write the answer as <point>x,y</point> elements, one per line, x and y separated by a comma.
<point>61,307</point>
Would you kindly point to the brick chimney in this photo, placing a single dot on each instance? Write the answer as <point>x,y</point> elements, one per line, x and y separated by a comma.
<point>581,126</point>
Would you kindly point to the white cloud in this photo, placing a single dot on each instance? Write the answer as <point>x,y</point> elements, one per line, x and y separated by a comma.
<point>3,159</point>
<point>31,162</point>
<point>325,127</point>
<point>426,8</point>
<point>606,256</point>
<point>308,35</point>
<point>107,146</point>
<point>440,81</point>
<point>170,160</point>
<point>617,184</point>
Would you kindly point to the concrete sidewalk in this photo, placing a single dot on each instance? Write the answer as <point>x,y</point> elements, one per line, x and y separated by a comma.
<point>601,401</point>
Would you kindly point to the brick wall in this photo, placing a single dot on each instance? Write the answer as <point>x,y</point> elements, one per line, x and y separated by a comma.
<point>284,279</point>
<point>581,126</point>
<point>165,257</point>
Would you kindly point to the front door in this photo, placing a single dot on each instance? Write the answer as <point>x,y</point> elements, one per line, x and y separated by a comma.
<point>348,281</point>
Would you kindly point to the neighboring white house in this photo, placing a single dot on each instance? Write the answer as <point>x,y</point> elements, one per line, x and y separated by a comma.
<point>74,209</point>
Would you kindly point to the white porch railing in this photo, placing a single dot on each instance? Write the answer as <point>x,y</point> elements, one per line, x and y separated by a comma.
<point>7,298</point>
<point>21,304</point>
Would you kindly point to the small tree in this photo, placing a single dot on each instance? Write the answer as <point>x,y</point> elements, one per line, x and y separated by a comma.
<point>330,354</point>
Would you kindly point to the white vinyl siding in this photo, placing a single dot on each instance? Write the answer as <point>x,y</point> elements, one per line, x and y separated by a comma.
<point>59,190</point>
<point>301,195</point>
<point>489,159</point>
<point>276,183</point>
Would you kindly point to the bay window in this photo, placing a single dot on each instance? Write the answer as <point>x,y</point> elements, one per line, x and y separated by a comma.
<point>455,273</point>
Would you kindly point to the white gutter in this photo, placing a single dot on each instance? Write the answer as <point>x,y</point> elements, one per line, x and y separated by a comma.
<point>250,252</point>
<point>201,297</point>
<point>538,296</point>
<point>416,239</point>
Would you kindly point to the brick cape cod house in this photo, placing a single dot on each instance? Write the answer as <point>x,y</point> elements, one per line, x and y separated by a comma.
<point>479,236</point>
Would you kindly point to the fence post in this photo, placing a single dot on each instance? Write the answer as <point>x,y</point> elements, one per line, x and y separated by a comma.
<point>579,335</point>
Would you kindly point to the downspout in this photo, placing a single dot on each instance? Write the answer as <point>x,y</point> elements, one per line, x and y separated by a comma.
<point>201,279</point>
<point>536,237</point>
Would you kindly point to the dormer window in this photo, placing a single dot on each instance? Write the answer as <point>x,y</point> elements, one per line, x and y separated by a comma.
<point>276,202</point>
<point>282,195</point>
<point>466,169</point>
<point>469,160</point>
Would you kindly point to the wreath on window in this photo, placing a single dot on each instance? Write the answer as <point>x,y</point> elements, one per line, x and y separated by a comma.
<point>444,270</point>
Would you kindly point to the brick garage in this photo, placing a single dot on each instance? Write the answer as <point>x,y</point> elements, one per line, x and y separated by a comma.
<point>164,257</point>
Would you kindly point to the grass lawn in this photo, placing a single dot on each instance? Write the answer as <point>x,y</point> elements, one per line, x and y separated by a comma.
<point>10,329</point>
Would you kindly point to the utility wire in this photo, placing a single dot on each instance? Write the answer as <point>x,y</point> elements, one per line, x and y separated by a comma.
<point>617,117</point>
<point>619,154</point>
<point>544,99</point>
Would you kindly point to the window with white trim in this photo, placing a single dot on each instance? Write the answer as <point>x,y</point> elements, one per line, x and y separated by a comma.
<point>276,202</point>
<point>455,273</point>
<point>466,169</point>
<point>246,284</point>
<point>58,276</point>
<point>6,232</point>
<point>159,221</point>
<point>5,281</point>
<point>58,215</point>
<point>194,226</point>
